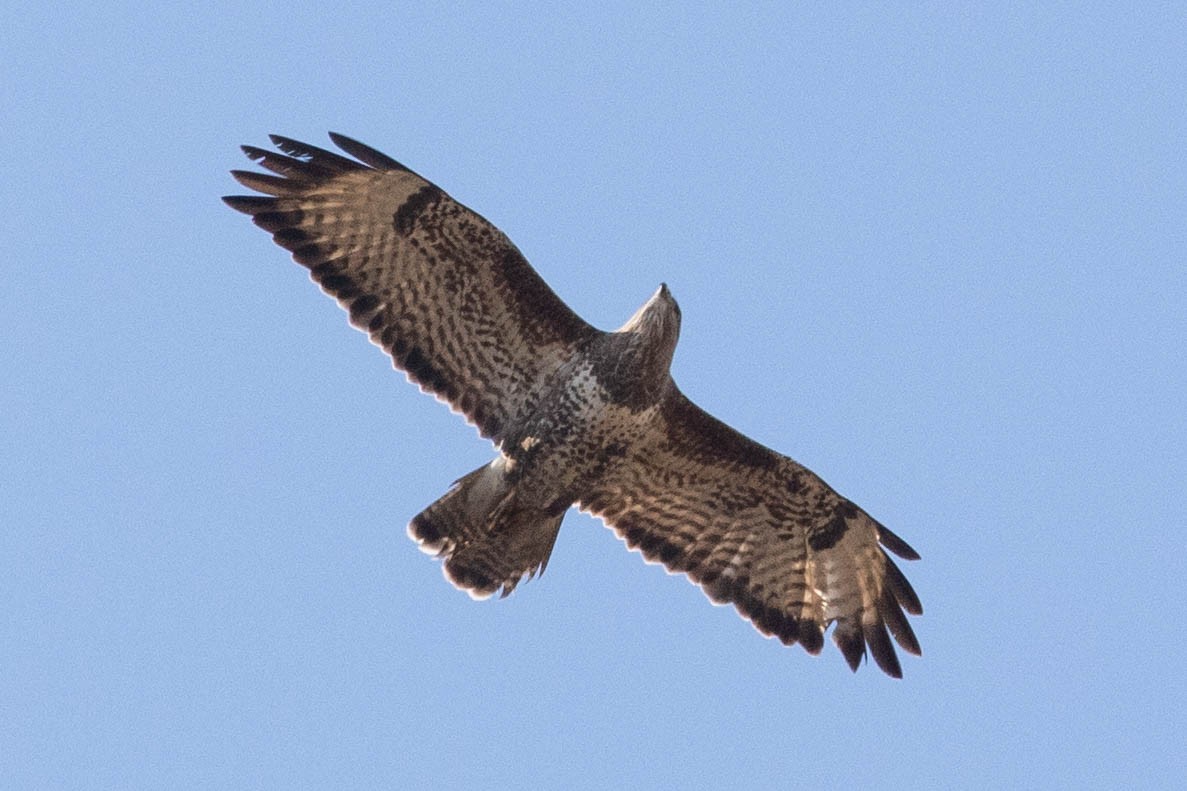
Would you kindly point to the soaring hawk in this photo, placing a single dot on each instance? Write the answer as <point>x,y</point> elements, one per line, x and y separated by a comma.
<point>579,416</point>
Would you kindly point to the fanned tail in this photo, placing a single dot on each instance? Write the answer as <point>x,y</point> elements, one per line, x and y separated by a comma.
<point>487,539</point>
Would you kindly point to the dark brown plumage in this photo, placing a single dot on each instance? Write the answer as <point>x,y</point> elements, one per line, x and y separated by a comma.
<point>579,416</point>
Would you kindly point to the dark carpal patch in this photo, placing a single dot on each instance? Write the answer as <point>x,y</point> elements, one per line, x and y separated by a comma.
<point>404,220</point>
<point>827,536</point>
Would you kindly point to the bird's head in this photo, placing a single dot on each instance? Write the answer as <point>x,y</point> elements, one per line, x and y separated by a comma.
<point>659,316</point>
<point>656,325</point>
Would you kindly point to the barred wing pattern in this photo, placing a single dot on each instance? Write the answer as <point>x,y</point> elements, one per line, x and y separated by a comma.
<point>460,310</point>
<point>439,288</point>
<point>756,529</point>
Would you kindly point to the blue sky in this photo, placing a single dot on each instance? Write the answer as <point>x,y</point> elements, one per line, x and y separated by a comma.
<point>934,253</point>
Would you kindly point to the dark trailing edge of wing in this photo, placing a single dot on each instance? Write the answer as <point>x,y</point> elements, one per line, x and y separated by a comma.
<point>852,639</point>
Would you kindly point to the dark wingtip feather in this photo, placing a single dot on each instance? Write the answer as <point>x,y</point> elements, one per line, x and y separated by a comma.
<point>286,165</point>
<point>882,650</point>
<point>295,148</point>
<point>904,594</point>
<point>896,544</point>
<point>267,184</point>
<point>271,220</point>
<point>852,645</point>
<point>903,634</point>
<point>320,156</point>
<point>365,154</point>
<point>249,204</point>
<point>260,155</point>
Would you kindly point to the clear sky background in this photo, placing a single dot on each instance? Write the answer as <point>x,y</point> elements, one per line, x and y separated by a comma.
<point>937,254</point>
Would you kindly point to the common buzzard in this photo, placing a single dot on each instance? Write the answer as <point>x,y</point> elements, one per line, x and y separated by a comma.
<point>579,416</point>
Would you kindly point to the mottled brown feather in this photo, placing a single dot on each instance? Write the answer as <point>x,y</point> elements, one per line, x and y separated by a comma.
<point>458,308</point>
<point>757,530</point>
<point>390,247</point>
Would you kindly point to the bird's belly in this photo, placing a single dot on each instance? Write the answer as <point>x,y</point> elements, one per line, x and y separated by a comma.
<point>564,453</point>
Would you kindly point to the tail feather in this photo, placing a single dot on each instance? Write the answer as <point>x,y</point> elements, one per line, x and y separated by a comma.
<point>487,539</point>
<point>458,517</point>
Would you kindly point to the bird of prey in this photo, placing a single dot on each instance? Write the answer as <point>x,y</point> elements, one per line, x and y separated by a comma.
<point>578,416</point>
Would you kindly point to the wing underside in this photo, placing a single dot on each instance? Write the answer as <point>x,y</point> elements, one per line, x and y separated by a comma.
<point>439,288</point>
<point>756,529</point>
<point>458,308</point>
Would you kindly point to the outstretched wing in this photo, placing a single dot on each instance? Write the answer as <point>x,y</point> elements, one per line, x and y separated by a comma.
<point>443,291</point>
<point>754,528</point>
